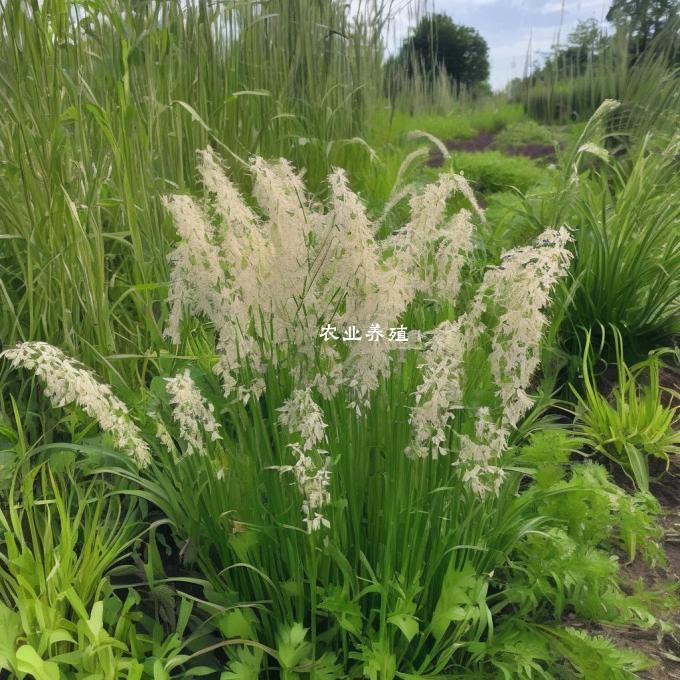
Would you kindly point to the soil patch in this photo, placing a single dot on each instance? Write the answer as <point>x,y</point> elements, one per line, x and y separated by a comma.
<point>535,151</point>
<point>482,142</point>
<point>485,141</point>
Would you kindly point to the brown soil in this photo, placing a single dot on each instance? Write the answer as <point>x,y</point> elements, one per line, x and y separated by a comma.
<point>535,151</point>
<point>481,142</point>
<point>485,141</point>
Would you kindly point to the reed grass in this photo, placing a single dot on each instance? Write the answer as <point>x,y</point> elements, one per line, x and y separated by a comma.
<point>104,105</point>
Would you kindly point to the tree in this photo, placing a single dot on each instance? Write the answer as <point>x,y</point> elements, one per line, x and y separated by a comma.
<point>643,19</point>
<point>438,42</point>
<point>585,45</point>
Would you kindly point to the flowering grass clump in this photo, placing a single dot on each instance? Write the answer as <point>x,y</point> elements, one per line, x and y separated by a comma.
<point>354,476</point>
<point>398,449</point>
<point>278,276</point>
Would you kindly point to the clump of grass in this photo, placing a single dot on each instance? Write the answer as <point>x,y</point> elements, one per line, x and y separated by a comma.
<point>395,126</point>
<point>461,122</point>
<point>627,274</point>
<point>496,115</point>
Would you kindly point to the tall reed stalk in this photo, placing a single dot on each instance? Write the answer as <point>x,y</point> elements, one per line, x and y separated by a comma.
<point>103,106</point>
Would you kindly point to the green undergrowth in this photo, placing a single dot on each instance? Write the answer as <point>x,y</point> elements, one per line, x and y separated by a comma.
<point>528,132</point>
<point>463,123</point>
<point>493,171</point>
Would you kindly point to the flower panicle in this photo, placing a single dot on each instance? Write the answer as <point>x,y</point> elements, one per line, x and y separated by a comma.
<point>521,286</point>
<point>68,382</point>
<point>302,416</point>
<point>192,412</point>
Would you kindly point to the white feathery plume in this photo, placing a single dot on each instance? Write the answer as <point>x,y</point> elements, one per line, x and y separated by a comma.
<point>521,286</point>
<point>430,250</point>
<point>479,457</point>
<point>302,416</point>
<point>440,393</point>
<point>68,382</point>
<point>452,253</point>
<point>192,412</point>
<point>229,202</point>
<point>374,293</point>
<point>197,279</point>
<point>287,294</point>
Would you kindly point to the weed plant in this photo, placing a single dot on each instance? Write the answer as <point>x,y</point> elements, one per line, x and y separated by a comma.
<point>632,425</point>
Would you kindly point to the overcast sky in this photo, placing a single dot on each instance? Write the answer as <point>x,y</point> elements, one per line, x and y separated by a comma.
<point>510,26</point>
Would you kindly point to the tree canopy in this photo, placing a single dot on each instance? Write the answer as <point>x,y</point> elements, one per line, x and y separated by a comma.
<point>643,19</point>
<point>437,41</point>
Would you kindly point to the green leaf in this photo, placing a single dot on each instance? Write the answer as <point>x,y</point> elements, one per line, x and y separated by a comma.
<point>638,466</point>
<point>379,662</point>
<point>347,612</point>
<point>28,661</point>
<point>237,624</point>
<point>96,621</point>
<point>455,600</point>
<point>195,116</point>
<point>10,625</point>
<point>292,647</point>
<point>246,666</point>
<point>159,672</point>
<point>60,635</point>
<point>407,624</point>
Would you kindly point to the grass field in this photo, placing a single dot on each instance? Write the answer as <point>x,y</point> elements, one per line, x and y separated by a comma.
<point>303,379</point>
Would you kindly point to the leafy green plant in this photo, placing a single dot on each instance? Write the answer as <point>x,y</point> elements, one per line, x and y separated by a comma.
<point>574,490</point>
<point>492,171</point>
<point>62,614</point>
<point>632,424</point>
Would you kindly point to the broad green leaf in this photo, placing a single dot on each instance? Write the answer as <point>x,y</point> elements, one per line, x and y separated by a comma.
<point>28,661</point>
<point>455,599</point>
<point>10,625</point>
<point>347,612</point>
<point>237,624</point>
<point>60,635</point>
<point>246,666</point>
<point>292,647</point>
<point>408,625</point>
